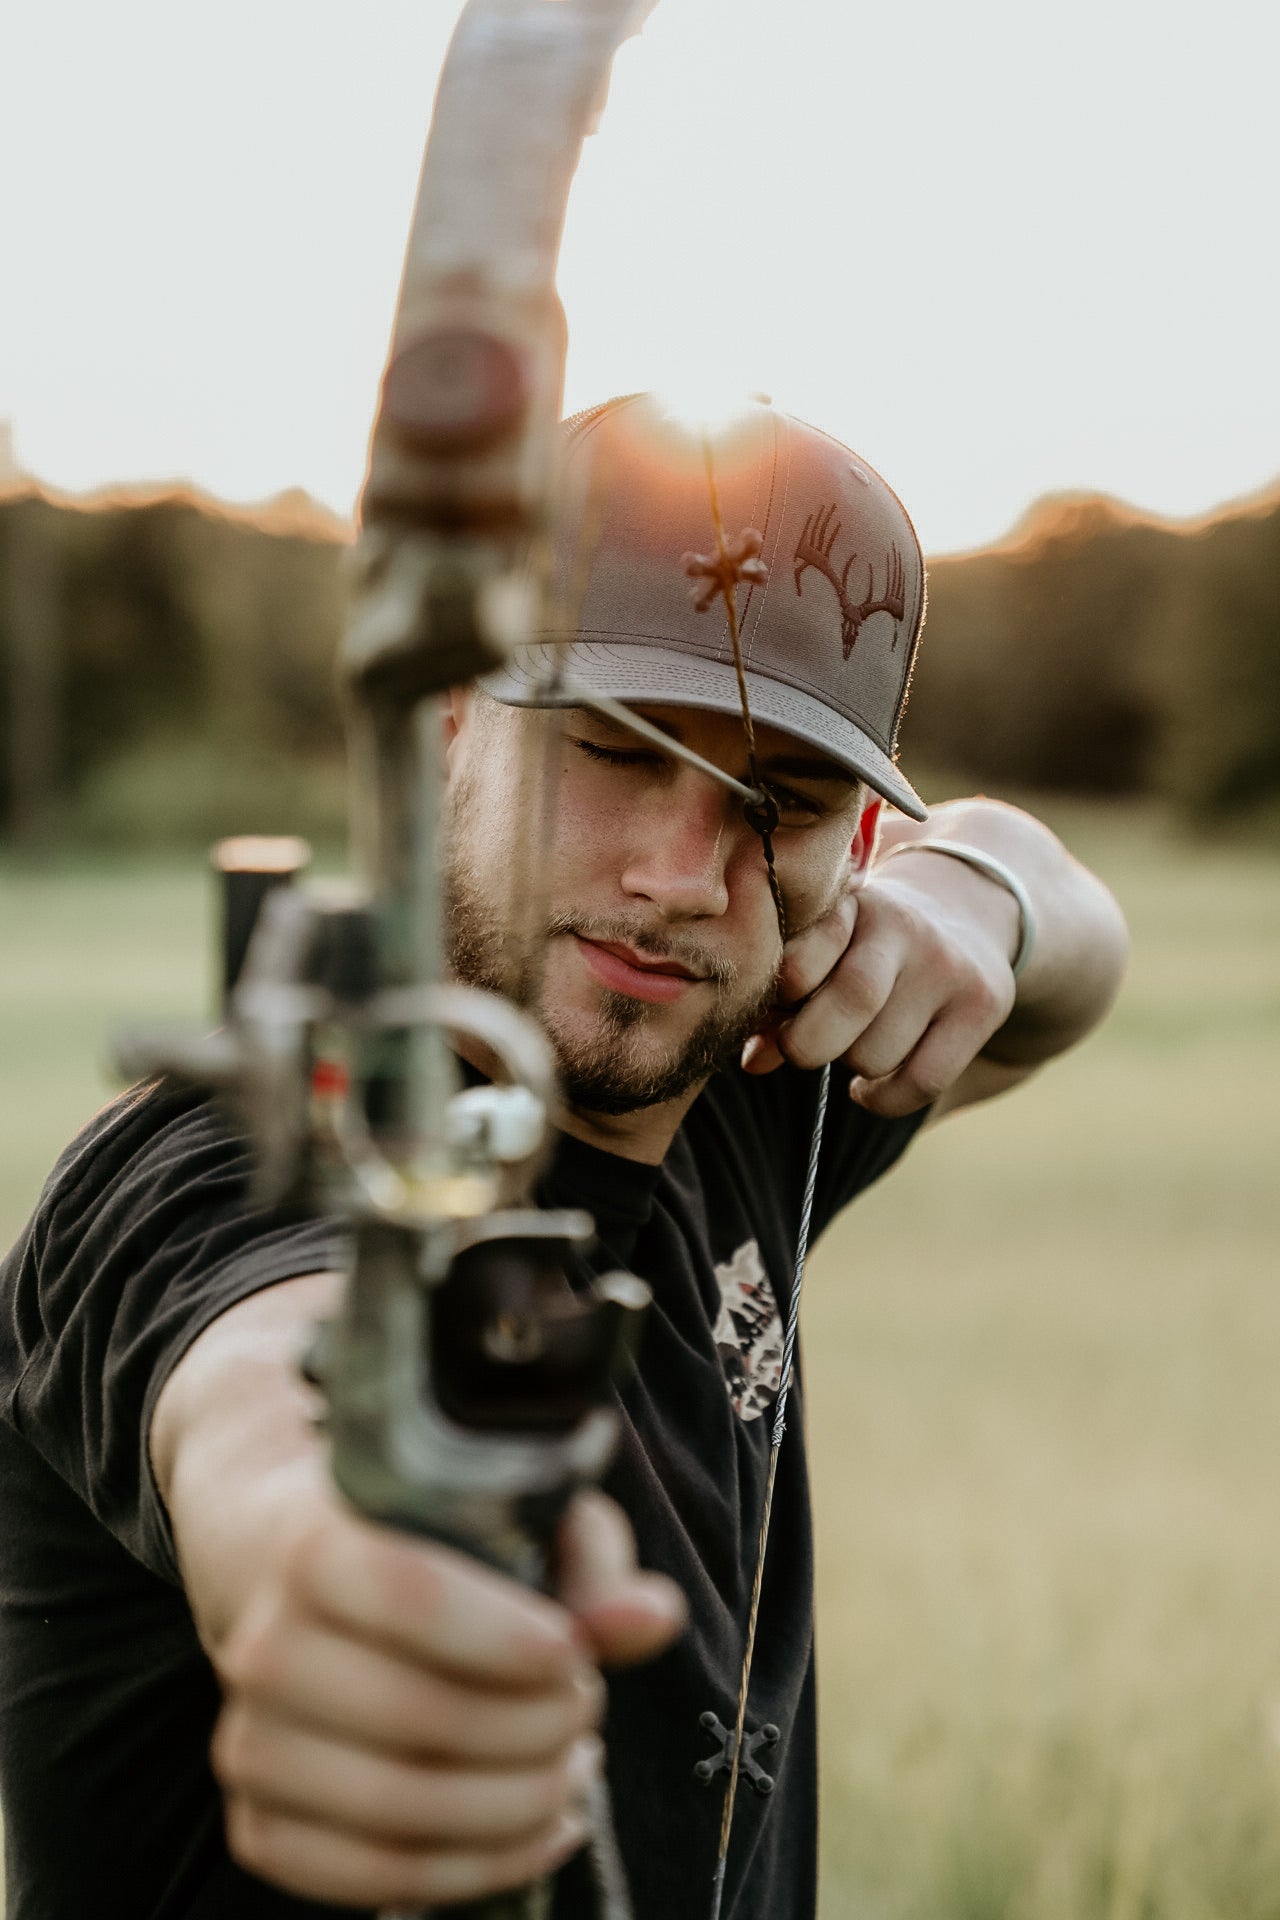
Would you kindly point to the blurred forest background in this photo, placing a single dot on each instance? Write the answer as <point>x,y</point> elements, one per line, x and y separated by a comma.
<point>1041,1358</point>
<point>166,665</point>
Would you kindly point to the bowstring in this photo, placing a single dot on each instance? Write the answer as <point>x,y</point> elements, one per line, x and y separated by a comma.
<point>763,818</point>
<point>759,818</point>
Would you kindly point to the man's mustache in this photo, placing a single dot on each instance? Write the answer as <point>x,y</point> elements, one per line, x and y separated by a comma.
<point>664,944</point>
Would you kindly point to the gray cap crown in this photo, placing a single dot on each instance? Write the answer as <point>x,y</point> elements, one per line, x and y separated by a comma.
<point>828,638</point>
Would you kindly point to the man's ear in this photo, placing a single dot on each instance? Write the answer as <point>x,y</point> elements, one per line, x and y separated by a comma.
<point>862,850</point>
<point>455,712</point>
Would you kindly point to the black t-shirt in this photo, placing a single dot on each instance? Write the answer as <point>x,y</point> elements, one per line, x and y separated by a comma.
<point>143,1236</point>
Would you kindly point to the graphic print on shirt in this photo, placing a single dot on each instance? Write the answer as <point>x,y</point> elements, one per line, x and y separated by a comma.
<point>748,1333</point>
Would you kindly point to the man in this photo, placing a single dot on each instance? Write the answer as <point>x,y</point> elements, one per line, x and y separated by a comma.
<point>393,1726</point>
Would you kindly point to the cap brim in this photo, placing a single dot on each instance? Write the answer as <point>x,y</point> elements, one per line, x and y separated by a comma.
<point>661,677</point>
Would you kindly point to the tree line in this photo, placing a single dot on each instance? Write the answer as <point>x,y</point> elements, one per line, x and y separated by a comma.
<point>167,667</point>
<point>1098,651</point>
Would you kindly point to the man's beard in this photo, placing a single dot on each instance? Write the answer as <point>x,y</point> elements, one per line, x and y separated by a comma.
<point>612,1072</point>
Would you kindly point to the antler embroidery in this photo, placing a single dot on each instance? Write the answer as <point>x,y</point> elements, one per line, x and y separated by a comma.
<point>720,573</point>
<point>813,549</point>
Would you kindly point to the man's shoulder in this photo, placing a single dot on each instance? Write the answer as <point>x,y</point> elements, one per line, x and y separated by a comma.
<point>152,1200</point>
<point>145,1115</point>
<point>134,1138</point>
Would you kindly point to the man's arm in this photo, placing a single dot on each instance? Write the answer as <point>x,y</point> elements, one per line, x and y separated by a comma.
<point>1080,947</point>
<point>909,980</point>
<point>401,1727</point>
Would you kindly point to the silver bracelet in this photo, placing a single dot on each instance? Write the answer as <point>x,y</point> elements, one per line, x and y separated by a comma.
<point>995,870</point>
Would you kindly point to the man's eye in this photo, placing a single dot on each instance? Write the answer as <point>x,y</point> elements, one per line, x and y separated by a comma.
<point>617,756</point>
<point>794,809</point>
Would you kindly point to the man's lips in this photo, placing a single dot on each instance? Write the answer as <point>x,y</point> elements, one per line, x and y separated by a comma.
<point>645,976</point>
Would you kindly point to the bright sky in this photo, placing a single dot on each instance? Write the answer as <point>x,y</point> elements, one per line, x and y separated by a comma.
<point>1002,248</point>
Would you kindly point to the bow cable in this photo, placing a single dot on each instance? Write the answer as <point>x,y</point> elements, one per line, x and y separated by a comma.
<point>763,818</point>
<point>762,814</point>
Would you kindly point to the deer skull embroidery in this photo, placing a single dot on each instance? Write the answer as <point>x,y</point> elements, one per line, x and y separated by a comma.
<point>814,548</point>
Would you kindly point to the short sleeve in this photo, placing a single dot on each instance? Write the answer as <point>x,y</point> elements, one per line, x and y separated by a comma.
<point>143,1236</point>
<point>772,1116</point>
<point>858,1148</point>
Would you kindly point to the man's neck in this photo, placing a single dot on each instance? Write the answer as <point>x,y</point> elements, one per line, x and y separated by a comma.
<point>644,1134</point>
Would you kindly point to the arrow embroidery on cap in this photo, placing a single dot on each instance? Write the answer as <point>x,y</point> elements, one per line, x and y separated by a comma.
<point>813,549</point>
<point>721,572</point>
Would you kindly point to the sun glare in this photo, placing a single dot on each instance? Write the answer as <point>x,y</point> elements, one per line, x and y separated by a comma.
<point>704,408</point>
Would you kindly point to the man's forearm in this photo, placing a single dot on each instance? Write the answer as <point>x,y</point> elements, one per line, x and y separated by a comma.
<point>234,1447</point>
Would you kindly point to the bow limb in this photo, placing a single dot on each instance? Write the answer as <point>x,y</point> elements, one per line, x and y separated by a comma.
<point>463,455</point>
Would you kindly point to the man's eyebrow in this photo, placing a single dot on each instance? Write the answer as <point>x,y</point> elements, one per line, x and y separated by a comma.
<point>802,766</point>
<point>605,721</point>
<point>608,724</point>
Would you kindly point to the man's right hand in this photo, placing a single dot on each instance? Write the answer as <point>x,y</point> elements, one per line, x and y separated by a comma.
<point>401,1726</point>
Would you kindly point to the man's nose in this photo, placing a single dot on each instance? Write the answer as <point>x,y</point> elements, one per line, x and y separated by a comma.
<point>681,846</point>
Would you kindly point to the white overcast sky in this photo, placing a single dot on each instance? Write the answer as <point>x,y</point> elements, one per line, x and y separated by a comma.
<point>1003,248</point>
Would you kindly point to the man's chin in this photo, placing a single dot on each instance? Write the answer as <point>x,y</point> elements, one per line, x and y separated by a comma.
<point>606,1087</point>
<point>623,1066</point>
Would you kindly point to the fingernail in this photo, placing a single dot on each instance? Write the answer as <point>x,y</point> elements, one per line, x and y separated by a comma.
<point>591,1690</point>
<point>548,1630</point>
<point>750,1049</point>
<point>568,1834</point>
<point>671,1600</point>
<point>586,1761</point>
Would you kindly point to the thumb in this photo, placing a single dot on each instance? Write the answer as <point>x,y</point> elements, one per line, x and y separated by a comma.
<point>623,1613</point>
<point>807,959</point>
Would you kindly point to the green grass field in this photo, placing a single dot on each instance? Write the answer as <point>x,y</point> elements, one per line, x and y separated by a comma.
<point>1045,1359</point>
<point>1044,1362</point>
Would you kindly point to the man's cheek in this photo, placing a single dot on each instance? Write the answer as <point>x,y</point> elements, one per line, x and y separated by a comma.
<point>820,884</point>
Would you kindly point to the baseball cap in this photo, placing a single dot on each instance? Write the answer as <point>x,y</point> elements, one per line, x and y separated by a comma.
<point>828,627</point>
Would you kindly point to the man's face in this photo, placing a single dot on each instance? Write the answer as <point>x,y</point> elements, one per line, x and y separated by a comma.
<point>661,938</point>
